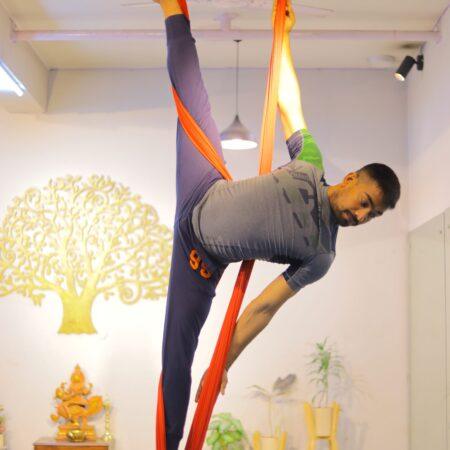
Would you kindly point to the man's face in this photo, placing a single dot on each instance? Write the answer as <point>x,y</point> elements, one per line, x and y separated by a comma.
<point>356,200</point>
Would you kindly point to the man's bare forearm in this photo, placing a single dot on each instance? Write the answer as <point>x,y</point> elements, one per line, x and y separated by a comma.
<point>257,315</point>
<point>289,96</point>
<point>252,321</point>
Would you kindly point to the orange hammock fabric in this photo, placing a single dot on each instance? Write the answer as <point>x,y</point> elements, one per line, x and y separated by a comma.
<point>213,378</point>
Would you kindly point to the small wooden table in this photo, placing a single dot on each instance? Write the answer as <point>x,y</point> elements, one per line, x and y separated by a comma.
<point>47,443</point>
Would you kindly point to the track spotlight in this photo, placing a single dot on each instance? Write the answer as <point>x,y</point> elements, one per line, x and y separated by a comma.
<point>407,65</point>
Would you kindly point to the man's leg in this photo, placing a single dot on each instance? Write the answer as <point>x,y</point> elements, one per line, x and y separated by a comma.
<point>190,295</point>
<point>193,169</point>
<point>188,304</point>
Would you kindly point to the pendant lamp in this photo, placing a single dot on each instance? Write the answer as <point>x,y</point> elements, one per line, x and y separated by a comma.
<point>237,136</point>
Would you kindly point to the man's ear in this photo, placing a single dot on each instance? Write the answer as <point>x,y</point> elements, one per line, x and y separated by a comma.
<point>350,179</point>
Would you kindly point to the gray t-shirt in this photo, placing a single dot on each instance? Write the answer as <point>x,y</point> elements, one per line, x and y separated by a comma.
<point>282,217</point>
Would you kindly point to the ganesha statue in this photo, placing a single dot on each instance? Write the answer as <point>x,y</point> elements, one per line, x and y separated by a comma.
<point>75,406</point>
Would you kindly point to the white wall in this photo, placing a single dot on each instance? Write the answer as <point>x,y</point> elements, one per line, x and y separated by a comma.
<point>429,196</point>
<point>429,132</point>
<point>122,124</point>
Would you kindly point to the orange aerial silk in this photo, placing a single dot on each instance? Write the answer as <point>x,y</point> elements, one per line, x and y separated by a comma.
<point>213,378</point>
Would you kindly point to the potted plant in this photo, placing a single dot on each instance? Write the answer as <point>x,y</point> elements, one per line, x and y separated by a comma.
<point>226,433</point>
<point>280,391</point>
<point>2,429</point>
<point>325,364</point>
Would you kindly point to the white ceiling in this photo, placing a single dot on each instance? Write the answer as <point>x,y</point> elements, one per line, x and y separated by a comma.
<point>417,15</point>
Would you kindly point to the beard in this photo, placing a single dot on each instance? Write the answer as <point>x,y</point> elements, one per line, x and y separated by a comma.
<point>347,219</point>
<point>337,213</point>
<point>343,216</point>
<point>342,222</point>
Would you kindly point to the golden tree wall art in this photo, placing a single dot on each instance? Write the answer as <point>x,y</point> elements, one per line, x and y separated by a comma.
<point>81,239</point>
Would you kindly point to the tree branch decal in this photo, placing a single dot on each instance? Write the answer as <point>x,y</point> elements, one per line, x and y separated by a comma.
<point>82,239</point>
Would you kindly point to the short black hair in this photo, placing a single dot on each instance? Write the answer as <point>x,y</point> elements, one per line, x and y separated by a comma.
<point>387,180</point>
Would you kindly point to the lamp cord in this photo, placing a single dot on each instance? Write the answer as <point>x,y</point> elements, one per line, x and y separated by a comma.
<point>237,75</point>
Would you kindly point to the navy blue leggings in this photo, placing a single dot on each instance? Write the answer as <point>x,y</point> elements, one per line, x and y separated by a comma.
<point>194,274</point>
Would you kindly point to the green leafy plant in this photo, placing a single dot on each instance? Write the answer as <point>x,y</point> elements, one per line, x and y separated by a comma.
<point>226,433</point>
<point>2,421</point>
<point>326,364</point>
<point>280,389</point>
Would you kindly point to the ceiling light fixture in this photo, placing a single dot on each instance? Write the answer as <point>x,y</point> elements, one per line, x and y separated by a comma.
<point>8,82</point>
<point>237,136</point>
<point>407,65</point>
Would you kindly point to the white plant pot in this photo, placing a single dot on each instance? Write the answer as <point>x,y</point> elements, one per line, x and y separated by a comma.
<point>323,421</point>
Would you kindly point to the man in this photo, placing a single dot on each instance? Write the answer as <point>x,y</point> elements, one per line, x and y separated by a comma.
<point>289,216</point>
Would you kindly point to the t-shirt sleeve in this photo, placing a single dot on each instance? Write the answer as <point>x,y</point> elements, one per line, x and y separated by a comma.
<point>301,145</point>
<point>300,275</point>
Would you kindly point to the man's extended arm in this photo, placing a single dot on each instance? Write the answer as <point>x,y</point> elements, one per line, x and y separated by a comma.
<point>290,104</point>
<point>261,310</point>
<point>289,97</point>
<point>252,321</point>
<point>257,315</point>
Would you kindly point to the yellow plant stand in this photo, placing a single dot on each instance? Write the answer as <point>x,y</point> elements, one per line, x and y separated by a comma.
<point>311,424</point>
<point>277,442</point>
